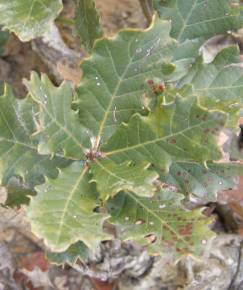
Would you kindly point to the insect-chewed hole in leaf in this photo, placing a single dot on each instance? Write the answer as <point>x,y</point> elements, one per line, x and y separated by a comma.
<point>139,50</point>
<point>151,238</point>
<point>96,209</point>
<point>140,222</point>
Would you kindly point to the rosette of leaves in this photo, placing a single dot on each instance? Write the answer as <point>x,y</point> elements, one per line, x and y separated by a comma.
<point>123,148</point>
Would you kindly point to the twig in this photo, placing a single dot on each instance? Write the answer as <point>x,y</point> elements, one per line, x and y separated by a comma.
<point>238,267</point>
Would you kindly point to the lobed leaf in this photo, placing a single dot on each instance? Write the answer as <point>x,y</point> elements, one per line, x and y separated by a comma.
<point>18,149</point>
<point>115,75</point>
<point>29,18</point>
<point>160,222</point>
<point>70,256</point>
<point>62,211</point>
<point>203,183</point>
<point>112,178</point>
<point>200,18</point>
<point>87,23</point>
<point>219,84</point>
<point>59,128</point>
<point>178,131</point>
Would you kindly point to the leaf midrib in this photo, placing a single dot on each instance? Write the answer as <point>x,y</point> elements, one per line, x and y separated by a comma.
<point>185,20</point>
<point>121,79</point>
<point>66,131</point>
<point>163,222</point>
<point>121,150</point>
<point>65,210</point>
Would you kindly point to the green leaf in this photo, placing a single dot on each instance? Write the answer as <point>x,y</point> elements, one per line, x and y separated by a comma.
<point>70,256</point>
<point>87,22</point>
<point>219,84</point>
<point>203,183</point>
<point>112,178</point>
<point>59,128</point>
<point>18,192</point>
<point>62,211</point>
<point>199,18</point>
<point>178,131</point>
<point>112,136</point>
<point>29,18</point>
<point>114,76</point>
<point>160,222</point>
<point>18,149</point>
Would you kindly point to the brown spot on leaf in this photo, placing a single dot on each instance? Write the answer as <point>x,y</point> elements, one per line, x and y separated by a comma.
<point>186,230</point>
<point>172,141</point>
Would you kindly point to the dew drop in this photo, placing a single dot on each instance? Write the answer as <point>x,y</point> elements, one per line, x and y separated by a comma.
<point>230,261</point>
<point>45,102</point>
<point>127,218</point>
<point>151,223</point>
<point>220,183</point>
<point>204,242</point>
<point>136,40</point>
<point>138,50</point>
<point>75,216</point>
<point>98,84</point>
<point>162,206</point>
<point>96,78</point>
